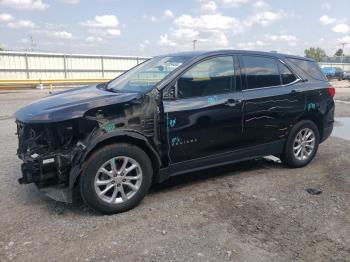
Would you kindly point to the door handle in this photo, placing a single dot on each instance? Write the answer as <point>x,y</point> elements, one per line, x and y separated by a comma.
<point>295,91</point>
<point>232,102</point>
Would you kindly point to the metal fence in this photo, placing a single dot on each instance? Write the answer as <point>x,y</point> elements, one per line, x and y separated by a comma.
<point>32,66</point>
<point>344,66</point>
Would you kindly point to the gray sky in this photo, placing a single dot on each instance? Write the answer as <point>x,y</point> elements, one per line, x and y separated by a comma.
<point>151,27</point>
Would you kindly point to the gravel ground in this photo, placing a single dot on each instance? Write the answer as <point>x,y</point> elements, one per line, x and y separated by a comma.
<point>252,211</point>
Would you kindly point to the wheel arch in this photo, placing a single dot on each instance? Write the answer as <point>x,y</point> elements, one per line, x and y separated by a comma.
<point>130,137</point>
<point>317,121</point>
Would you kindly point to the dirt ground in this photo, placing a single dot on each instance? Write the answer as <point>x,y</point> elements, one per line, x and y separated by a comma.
<point>252,211</point>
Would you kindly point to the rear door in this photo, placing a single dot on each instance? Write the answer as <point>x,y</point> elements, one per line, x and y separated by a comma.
<point>273,99</point>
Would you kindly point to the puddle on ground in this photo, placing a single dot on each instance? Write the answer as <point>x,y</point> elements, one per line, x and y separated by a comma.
<point>342,101</point>
<point>342,128</point>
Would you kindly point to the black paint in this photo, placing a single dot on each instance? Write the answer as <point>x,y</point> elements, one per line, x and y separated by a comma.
<point>179,135</point>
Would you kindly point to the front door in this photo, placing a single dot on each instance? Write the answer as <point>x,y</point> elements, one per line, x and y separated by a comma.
<point>206,117</point>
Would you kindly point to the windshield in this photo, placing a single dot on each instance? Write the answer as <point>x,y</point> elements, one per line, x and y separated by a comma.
<point>146,75</point>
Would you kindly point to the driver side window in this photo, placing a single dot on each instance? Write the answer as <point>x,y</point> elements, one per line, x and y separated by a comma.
<point>210,77</point>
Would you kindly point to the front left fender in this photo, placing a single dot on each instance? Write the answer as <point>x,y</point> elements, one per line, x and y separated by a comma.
<point>110,137</point>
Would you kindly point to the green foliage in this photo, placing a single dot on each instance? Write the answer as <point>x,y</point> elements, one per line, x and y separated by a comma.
<point>339,52</point>
<point>315,53</point>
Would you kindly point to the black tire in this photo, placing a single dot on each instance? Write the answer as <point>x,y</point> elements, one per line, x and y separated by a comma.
<point>96,160</point>
<point>288,157</point>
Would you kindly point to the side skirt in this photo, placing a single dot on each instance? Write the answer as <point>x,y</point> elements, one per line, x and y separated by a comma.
<point>271,148</point>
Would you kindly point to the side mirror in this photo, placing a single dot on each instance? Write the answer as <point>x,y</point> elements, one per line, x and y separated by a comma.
<point>170,92</point>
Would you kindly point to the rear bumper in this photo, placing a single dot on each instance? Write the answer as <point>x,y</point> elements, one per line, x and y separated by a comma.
<point>327,131</point>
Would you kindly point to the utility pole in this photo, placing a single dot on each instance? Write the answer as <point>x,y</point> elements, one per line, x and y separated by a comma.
<point>342,55</point>
<point>194,44</point>
<point>32,43</point>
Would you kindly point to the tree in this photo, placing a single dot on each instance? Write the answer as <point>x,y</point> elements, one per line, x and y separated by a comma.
<point>315,53</point>
<point>339,52</point>
<point>1,49</point>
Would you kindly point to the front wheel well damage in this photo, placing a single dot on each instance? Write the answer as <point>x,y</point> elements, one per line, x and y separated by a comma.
<point>129,140</point>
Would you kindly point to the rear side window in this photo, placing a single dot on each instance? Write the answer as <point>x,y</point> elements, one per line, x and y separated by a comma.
<point>309,68</point>
<point>287,76</point>
<point>261,71</point>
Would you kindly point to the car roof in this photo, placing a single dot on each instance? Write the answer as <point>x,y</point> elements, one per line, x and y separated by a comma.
<point>194,54</point>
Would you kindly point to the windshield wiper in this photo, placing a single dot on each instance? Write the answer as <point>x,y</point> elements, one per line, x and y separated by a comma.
<point>104,86</point>
<point>101,86</point>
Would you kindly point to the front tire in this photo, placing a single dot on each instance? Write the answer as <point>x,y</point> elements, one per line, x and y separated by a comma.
<point>116,178</point>
<point>301,145</point>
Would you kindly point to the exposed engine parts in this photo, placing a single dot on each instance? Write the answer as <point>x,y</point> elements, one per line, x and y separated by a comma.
<point>48,150</point>
<point>52,151</point>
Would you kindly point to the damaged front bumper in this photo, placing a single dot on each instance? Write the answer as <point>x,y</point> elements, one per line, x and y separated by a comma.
<point>43,171</point>
<point>48,168</point>
<point>49,174</point>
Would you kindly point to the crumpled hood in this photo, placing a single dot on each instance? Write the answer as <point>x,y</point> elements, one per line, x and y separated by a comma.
<point>70,104</point>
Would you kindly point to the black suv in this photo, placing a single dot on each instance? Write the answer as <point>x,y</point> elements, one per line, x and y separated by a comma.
<point>171,115</point>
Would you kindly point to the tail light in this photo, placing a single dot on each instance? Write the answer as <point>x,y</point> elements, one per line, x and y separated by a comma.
<point>331,91</point>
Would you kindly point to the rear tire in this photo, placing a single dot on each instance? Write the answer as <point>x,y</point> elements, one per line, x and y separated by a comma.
<point>301,145</point>
<point>116,178</point>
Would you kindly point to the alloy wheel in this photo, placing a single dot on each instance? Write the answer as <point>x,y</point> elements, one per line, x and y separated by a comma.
<point>118,180</point>
<point>304,144</point>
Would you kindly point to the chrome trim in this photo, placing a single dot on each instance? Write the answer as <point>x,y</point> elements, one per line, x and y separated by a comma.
<point>298,76</point>
<point>292,83</point>
<point>259,88</point>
